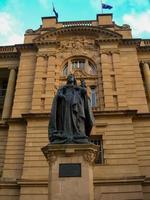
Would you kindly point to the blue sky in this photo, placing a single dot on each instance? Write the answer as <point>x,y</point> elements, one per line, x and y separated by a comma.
<point>16,16</point>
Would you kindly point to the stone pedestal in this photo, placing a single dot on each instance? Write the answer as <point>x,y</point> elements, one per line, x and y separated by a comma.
<point>70,171</point>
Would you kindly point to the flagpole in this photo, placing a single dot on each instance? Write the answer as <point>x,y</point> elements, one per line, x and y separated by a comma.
<point>52,8</point>
<point>101,6</point>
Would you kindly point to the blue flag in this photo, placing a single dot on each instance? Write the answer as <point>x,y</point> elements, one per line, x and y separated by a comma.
<point>106,6</point>
<point>56,14</point>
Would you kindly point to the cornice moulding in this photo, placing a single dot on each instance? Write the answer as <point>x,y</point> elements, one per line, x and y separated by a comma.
<point>96,113</point>
<point>129,42</point>
<point>121,180</point>
<point>9,55</point>
<point>116,113</point>
<point>30,46</point>
<point>142,115</point>
<point>36,115</point>
<point>8,49</point>
<point>49,43</point>
<point>143,49</point>
<point>27,182</point>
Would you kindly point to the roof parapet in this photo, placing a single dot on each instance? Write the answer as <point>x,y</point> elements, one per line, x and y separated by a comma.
<point>104,19</point>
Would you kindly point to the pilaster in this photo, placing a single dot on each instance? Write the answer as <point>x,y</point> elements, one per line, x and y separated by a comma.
<point>50,82</point>
<point>106,78</point>
<point>24,84</point>
<point>38,97</point>
<point>117,74</point>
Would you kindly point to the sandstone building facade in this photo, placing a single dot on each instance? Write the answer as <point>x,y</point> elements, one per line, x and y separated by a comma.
<point>116,68</point>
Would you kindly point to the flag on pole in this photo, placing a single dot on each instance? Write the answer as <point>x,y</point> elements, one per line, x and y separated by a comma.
<point>56,13</point>
<point>106,6</point>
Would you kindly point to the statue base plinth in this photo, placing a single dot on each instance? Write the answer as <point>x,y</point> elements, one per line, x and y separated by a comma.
<point>70,171</point>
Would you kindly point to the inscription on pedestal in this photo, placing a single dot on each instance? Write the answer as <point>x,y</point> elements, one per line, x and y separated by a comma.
<point>70,170</point>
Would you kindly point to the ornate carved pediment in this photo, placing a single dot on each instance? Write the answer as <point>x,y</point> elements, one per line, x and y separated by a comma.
<point>77,44</point>
<point>92,31</point>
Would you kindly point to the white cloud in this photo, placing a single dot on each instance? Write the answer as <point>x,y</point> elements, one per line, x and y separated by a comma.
<point>140,23</point>
<point>10,30</point>
<point>6,23</point>
<point>15,39</point>
<point>45,3</point>
<point>95,4</point>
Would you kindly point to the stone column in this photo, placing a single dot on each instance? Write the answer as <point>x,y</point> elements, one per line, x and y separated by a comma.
<point>9,93</point>
<point>146,71</point>
<point>70,171</point>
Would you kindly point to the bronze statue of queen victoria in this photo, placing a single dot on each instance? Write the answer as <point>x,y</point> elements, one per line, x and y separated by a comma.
<point>71,117</point>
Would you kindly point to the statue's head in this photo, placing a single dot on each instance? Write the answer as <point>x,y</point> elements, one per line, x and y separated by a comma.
<point>71,79</point>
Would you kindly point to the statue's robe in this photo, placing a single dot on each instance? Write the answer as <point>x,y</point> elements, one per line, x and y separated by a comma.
<point>71,117</point>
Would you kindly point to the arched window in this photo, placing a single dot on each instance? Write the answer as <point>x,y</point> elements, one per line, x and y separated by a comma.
<point>81,64</point>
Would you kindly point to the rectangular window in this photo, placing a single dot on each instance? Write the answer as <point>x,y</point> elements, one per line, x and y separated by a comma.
<point>97,140</point>
<point>115,99</point>
<point>3,88</point>
<point>93,97</point>
<point>1,112</point>
<point>4,75</point>
<point>113,81</point>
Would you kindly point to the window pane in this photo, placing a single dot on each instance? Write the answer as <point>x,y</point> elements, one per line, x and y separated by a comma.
<point>65,70</point>
<point>4,84</point>
<point>74,64</point>
<point>93,97</point>
<point>81,64</point>
<point>3,88</point>
<point>78,64</point>
<point>92,69</point>
<point>100,155</point>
